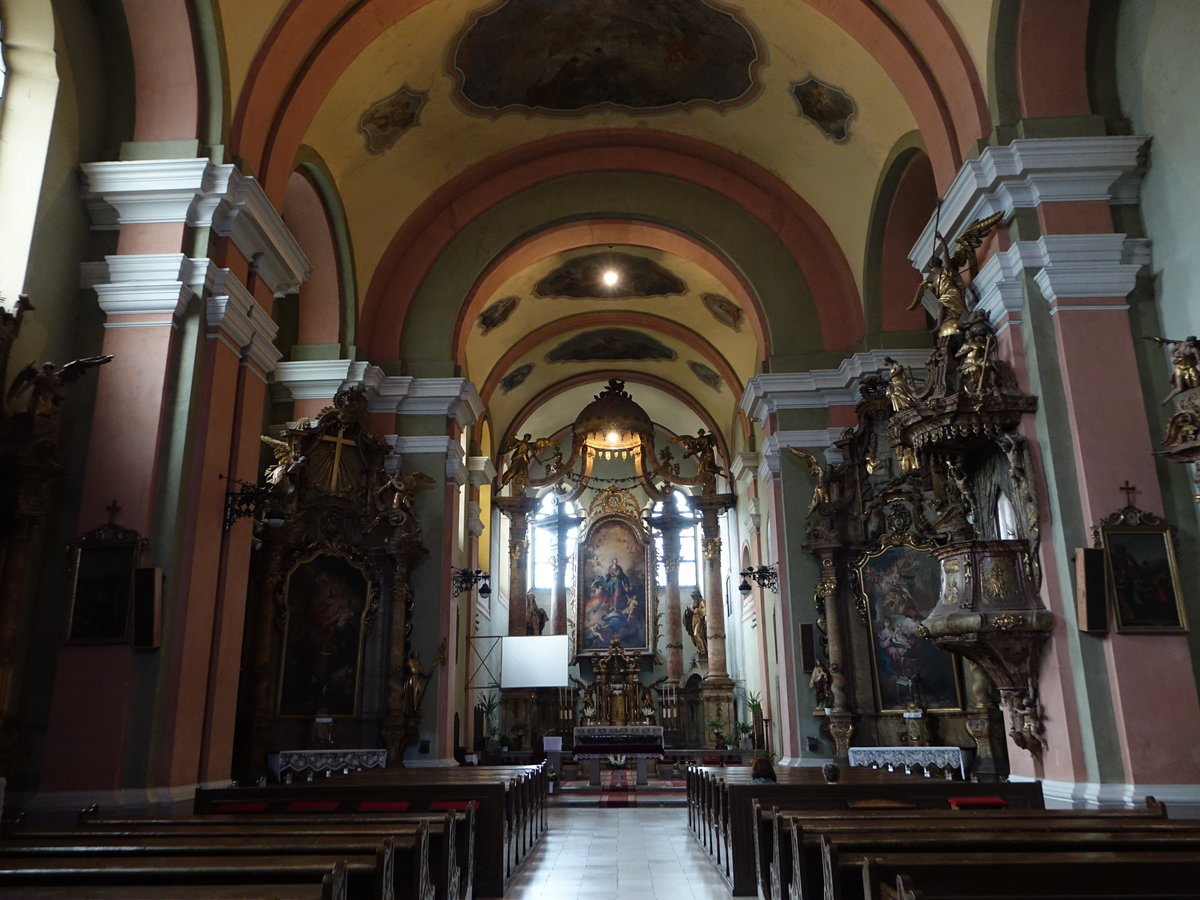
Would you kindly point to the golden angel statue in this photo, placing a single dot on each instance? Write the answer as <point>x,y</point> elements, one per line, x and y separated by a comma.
<point>695,622</point>
<point>46,386</point>
<point>701,446</point>
<point>899,388</point>
<point>524,451</point>
<point>943,276</point>
<point>821,488</point>
<point>287,461</point>
<point>1185,363</point>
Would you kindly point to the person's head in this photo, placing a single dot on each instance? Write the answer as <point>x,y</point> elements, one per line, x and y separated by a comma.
<point>762,769</point>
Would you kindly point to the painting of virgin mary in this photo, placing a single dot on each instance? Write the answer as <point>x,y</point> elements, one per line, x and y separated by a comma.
<point>613,588</point>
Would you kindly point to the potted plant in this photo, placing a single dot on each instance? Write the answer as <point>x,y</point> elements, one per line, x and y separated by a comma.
<point>551,781</point>
<point>717,727</point>
<point>754,707</point>
<point>488,705</point>
<point>744,732</point>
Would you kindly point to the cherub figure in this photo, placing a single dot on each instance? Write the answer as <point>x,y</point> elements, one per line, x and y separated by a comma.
<point>46,386</point>
<point>944,276</point>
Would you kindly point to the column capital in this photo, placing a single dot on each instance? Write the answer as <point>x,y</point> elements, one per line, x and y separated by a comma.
<point>481,470</point>
<point>143,284</point>
<point>309,379</point>
<point>818,388</point>
<point>235,317</point>
<point>455,470</point>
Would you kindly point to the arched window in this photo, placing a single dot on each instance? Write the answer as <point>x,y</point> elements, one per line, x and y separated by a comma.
<point>689,547</point>
<point>543,540</point>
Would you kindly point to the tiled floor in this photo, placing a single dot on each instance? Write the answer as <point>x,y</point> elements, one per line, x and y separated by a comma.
<point>606,854</point>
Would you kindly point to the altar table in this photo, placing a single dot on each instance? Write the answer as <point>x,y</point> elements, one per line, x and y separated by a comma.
<point>637,742</point>
<point>907,757</point>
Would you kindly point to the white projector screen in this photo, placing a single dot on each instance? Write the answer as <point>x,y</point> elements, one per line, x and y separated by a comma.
<point>531,662</point>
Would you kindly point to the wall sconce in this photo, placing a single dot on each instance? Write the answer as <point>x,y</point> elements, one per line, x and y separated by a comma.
<point>764,576</point>
<point>245,502</point>
<point>465,579</point>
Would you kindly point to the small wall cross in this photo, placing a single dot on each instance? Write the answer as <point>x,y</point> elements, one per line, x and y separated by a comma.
<point>1128,490</point>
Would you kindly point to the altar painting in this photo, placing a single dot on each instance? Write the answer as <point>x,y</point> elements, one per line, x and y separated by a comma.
<point>612,587</point>
<point>900,585</point>
<point>322,644</point>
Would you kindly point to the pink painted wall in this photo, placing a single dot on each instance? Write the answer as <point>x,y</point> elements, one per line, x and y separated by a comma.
<point>320,321</point>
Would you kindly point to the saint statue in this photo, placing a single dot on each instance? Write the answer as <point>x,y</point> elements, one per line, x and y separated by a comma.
<point>944,278</point>
<point>695,621</point>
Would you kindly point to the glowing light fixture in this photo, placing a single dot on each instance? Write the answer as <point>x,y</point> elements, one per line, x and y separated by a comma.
<point>610,277</point>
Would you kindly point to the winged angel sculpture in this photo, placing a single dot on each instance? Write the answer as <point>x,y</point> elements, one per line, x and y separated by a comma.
<point>821,488</point>
<point>944,275</point>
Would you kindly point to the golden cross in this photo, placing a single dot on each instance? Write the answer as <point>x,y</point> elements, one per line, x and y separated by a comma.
<point>338,443</point>
<point>1128,490</point>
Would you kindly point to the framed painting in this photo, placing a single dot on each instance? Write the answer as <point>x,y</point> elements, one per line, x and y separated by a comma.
<point>612,595</point>
<point>1142,579</point>
<point>103,563</point>
<point>327,598</point>
<point>900,585</point>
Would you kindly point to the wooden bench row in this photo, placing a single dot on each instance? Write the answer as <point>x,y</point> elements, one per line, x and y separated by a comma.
<point>509,801</point>
<point>852,854</point>
<point>721,814</point>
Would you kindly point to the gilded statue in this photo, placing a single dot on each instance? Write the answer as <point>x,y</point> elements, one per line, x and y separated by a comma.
<point>976,369</point>
<point>47,386</point>
<point>287,460</point>
<point>524,451</point>
<point>944,278</point>
<point>695,622</point>
<point>1185,363</point>
<point>899,388</point>
<point>701,446</point>
<point>822,685</point>
<point>402,487</point>
<point>821,487</point>
<point>536,617</point>
<point>412,681</point>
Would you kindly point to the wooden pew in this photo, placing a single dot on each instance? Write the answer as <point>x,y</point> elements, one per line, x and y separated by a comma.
<point>451,836</point>
<point>779,856</point>
<point>511,816</point>
<point>732,834</point>
<point>1070,875</point>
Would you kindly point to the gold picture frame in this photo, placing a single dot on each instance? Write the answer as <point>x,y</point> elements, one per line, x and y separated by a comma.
<point>102,579</point>
<point>1141,574</point>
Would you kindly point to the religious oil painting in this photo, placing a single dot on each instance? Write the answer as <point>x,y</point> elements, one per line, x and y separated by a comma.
<point>102,575</point>
<point>327,597</point>
<point>613,566</point>
<point>386,120</point>
<point>1143,582</point>
<point>567,57</point>
<point>900,585</point>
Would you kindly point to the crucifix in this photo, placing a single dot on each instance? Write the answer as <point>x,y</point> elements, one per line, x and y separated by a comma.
<point>1128,490</point>
<point>338,442</point>
<point>112,509</point>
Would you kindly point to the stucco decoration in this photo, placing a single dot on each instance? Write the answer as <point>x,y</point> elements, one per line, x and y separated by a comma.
<point>496,314</point>
<point>386,120</point>
<point>563,57</point>
<point>829,108</point>
<point>608,344</point>
<point>583,277</point>
<point>516,377</point>
<point>709,376</point>
<point>724,310</point>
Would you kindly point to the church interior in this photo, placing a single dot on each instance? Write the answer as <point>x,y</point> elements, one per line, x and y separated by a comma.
<point>813,380</point>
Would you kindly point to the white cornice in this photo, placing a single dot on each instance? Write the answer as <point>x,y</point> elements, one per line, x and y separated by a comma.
<point>744,466</point>
<point>142,284</point>
<point>456,468</point>
<point>481,470</point>
<point>817,438</point>
<point>236,318</point>
<point>1027,172</point>
<point>244,214</point>
<point>819,388</point>
<point>454,398</point>
<point>309,379</point>
<point>199,193</point>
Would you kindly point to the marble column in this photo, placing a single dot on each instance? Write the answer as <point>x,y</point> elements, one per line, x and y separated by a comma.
<point>716,690</point>
<point>517,509</point>
<point>563,523</point>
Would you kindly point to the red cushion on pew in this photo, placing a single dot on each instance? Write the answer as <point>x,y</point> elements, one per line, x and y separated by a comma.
<point>383,806</point>
<point>977,802</point>
<point>449,804</point>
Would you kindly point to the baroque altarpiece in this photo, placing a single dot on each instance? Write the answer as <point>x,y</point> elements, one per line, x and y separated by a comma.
<point>328,655</point>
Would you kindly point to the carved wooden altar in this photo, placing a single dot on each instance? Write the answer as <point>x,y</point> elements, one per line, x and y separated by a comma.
<point>617,696</point>
<point>331,603</point>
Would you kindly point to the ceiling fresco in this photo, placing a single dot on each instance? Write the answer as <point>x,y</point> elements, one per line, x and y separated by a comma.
<point>385,121</point>
<point>635,276</point>
<point>610,345</point>
<point>569,56</point>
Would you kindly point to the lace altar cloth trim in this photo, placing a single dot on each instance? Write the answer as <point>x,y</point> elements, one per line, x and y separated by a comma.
<point>942,757</point>
<point>325,760</point>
